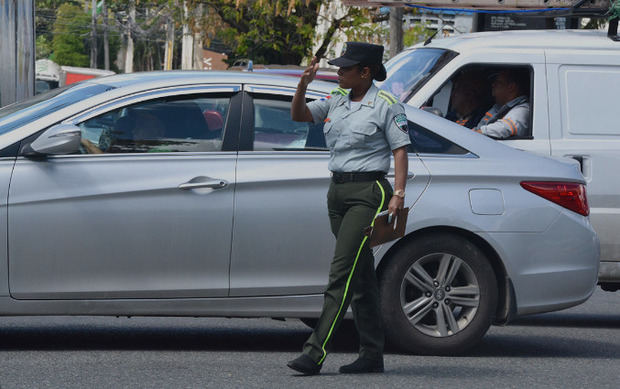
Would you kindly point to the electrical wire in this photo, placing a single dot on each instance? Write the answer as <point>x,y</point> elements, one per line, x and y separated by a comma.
<point>483,11</point>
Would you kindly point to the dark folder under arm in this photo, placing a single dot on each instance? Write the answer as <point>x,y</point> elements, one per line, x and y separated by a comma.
<point>382,231</point>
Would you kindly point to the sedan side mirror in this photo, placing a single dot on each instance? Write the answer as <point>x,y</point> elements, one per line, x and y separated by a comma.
<point>58,139</point>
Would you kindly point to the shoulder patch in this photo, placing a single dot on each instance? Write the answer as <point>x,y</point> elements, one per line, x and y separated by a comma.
<point>387,97</point>
<point>340,91</point>
<point>401,122</point>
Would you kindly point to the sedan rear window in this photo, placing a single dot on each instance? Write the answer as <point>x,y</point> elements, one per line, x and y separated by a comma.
<point>410,70</point>
<point>18,114</point>
<point>424,141</point>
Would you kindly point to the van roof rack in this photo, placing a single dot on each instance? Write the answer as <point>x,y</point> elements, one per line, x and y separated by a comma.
<point>584,8</point>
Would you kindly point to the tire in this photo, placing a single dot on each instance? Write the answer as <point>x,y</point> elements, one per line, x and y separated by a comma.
<point>465,290</point>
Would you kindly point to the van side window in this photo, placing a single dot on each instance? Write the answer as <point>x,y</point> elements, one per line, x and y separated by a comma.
<point>491,99</point>
<point>586,92</point>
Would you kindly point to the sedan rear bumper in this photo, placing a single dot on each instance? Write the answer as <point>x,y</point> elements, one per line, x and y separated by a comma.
<point>554,269</point>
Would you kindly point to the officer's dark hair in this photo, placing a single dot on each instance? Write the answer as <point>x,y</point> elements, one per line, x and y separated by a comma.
<point>374,69</point>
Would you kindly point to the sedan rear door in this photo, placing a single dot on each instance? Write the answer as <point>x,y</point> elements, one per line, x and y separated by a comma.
<point>282,242</point>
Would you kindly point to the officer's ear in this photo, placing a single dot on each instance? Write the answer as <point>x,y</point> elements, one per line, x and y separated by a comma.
<point>365,72</point>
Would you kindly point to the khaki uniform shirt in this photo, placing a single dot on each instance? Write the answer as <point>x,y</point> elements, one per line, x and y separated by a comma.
<point>361,139</point>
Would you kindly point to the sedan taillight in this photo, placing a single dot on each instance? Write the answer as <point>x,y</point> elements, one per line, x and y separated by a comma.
<point>567,194</point>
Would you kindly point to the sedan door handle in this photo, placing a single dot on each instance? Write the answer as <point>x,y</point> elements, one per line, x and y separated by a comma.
<point>203,182</point>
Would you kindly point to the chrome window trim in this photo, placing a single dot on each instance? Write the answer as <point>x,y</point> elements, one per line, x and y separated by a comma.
<point>139,155</point>
<point>149,95</point>
<point>278,90</point>
<point>284,153</point>
<point>437,155</point>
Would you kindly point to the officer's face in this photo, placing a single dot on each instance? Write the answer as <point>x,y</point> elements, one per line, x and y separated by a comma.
<point>351,76</point>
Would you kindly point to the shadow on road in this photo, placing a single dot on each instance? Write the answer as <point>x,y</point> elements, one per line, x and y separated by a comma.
<point>111,337</point>
<point>573,320</point>
<point>509,346</point>
<point>104,334</point>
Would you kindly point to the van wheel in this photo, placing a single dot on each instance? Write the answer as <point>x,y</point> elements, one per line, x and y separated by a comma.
<point>438,295</point>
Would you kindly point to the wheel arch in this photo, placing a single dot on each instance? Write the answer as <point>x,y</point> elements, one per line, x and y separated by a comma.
<point>506,302</point>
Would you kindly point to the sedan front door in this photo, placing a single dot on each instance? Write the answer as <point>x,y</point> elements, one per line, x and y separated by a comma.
<point>144,212</point>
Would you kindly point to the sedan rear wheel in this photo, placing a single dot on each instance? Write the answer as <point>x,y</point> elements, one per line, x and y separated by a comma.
<point>439,295</point>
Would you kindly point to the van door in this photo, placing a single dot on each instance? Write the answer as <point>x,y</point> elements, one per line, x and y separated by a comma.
<point>583,107</point>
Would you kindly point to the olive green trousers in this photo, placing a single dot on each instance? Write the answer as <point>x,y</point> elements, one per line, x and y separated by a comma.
<point>352,279</point>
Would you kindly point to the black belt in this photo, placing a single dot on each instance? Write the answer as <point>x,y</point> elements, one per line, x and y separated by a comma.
<point>341,178</point>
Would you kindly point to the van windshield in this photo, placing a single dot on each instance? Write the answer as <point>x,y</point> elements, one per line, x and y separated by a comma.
<point>18,114</point>
<point>409,71</point>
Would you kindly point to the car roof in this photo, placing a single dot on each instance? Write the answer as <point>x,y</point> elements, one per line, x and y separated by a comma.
<point>544,39</point>
<point>163,79</point>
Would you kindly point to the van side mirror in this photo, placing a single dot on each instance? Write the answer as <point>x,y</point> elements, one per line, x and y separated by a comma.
<point>58,139</point>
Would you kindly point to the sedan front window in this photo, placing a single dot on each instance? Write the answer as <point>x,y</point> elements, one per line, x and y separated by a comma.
<point>194,123</point>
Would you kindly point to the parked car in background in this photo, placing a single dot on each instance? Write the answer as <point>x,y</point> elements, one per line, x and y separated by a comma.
<point>247,65</point>
<point>50,75</point>
<point>195,194</point>
<point>573,93</point>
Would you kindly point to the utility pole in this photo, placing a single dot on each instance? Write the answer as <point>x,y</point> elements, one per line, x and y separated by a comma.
<point>396,30</point>
<point>187,47</point>
<point>169,51</point>
<point>128,31</point>
<point>93,35</point>
<point>106,44</point>
<point>16,50</point>
<point>198,38</point>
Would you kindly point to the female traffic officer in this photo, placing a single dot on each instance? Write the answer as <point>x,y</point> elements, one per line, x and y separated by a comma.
<point>362,126</point>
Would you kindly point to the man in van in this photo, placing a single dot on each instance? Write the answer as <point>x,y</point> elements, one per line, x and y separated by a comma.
<point>510,115</point>
<point>470,99</point>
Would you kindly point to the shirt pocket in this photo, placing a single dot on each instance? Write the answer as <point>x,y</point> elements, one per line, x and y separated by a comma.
<point>363,135</point>
<point>330,134</point>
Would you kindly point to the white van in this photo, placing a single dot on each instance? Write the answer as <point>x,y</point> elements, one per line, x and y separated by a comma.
<point>573,94</point>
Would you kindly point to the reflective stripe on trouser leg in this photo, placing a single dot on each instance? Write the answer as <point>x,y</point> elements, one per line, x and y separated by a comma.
<point>314,342</point>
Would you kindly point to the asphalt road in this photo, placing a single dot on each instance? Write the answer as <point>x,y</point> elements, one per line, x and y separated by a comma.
<point>575,348</point>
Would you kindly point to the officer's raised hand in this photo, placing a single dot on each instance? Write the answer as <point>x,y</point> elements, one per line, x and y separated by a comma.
<point>308,76</point>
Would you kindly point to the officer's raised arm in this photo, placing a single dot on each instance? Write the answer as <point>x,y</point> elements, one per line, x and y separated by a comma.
<point>299,109</point>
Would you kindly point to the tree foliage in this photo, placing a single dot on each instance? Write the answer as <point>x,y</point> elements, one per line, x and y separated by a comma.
<point>273,32</point>
<point>278,31</point>
<point>416,34</point>
<point>70,35</point>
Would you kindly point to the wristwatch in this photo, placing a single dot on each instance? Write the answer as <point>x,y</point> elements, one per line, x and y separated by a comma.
<point>400,193</point>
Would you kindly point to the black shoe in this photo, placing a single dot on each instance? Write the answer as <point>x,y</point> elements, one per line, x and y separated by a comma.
<point>305,365</point>
<point>363,365</point>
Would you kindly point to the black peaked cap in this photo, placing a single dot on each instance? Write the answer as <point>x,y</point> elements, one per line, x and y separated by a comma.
<point>361,53</point>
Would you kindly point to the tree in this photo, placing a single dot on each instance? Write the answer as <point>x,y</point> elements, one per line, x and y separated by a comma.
<point>356,24</point>
<point>71,29</point>
<point>279,31</point>
<point>45,17</point>
<point>418,33</point>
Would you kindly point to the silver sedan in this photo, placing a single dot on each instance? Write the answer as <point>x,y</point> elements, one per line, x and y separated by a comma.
<point>194,194</point>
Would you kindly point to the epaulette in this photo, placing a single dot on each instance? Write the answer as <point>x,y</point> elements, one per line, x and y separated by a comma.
<point>340,91</point>
<point>387,97</point>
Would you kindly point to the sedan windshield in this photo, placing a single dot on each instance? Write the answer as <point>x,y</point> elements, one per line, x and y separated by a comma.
<point>18,114</point>
<point>410,70</point>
